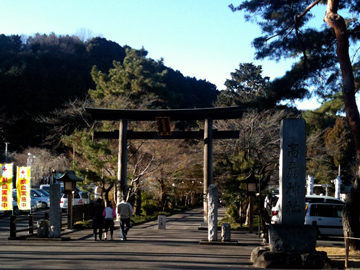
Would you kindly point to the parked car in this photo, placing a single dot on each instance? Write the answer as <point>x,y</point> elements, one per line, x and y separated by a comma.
<point>15,210</point>
<point>324,212</point>
<point>45,187</point>
<point>43,191</point>
<point>326,217</point>
<point>35,204</point>
<point>80,198</point>
<point>44,200</point>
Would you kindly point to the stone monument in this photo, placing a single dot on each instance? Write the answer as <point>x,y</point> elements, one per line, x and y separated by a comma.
<point>291,243</point>
<point>291,234</point>
<point>55,211</point>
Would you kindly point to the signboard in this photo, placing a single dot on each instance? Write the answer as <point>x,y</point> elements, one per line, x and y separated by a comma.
<point>6,178</point>
<point>163,125</point>
<point>23,186</point>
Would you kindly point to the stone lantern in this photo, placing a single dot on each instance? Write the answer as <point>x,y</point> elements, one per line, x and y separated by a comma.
<point>251,183</point>
<point>69,178</point>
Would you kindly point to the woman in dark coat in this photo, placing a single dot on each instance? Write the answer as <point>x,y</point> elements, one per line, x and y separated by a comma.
<point>98,219</point>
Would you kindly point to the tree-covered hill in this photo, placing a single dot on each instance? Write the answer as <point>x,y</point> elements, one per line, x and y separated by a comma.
<point>42,72</point>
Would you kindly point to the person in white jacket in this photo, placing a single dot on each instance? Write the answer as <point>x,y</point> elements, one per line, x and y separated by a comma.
<point>125,212</point>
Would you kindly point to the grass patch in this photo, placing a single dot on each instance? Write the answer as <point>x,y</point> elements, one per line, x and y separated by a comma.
<point>81,225</point>
<point>236,225</point>
<point>337,256</point>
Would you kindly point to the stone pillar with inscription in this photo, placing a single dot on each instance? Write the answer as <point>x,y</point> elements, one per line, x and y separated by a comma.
<point>291,234</point>
<point>292,172</point>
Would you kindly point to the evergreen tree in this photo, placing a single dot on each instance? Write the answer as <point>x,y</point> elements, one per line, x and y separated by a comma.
<point>126,85</point>
<point>323,62</point>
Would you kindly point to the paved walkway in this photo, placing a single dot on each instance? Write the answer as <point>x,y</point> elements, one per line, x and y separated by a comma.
<point>147,247</point>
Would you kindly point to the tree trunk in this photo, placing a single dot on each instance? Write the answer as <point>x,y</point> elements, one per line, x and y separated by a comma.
<point>107,190</point>
<point>350,216</point>
<point>351,210</point>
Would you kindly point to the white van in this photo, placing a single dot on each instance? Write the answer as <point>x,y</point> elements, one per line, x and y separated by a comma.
<point>326,217</point>
<point>323,212</point>
<point>80,198</point>
<point>46,187</point>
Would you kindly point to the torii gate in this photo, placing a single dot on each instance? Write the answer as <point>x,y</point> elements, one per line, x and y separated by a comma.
<point>163,118</point>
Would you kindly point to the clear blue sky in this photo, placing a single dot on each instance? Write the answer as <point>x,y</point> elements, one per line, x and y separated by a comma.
<point>200,38</point>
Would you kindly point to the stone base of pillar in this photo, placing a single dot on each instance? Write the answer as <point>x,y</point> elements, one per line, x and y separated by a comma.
<point>262,257</point>
<point>292,238</point>
<point>219,242</point>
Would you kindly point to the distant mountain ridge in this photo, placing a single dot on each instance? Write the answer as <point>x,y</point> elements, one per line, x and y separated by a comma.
<point>39,74</point>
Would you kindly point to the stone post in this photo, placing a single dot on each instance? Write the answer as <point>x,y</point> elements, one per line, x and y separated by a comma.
<point>43,228</point>
<point>212,212</point>
<point>161,222</point>
<point>225,232</point>
<point>55,211</point>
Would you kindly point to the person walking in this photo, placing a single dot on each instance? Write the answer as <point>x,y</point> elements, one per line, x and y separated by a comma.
<point>125,212</point>
<point>98,219</point>
<point>109,215</point>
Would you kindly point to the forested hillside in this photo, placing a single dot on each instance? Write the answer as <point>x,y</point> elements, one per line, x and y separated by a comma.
<point>42,72</point>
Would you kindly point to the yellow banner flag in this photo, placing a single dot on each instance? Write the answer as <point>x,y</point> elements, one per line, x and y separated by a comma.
<point>23,187</point>
<point>6,178</point>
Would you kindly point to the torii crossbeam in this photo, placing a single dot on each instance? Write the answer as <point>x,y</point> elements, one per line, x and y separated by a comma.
<point>208,134</point>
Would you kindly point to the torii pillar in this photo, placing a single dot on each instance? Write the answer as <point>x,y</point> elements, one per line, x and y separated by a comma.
<point>208,163</point>
<point>122,160</point>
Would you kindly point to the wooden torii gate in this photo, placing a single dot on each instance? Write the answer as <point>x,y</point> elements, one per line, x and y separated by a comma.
<point>163,118</point>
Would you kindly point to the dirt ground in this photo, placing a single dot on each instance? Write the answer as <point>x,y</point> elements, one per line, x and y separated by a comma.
<point>337,256</point>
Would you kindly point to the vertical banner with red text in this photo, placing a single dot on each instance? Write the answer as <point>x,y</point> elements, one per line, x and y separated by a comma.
<point>23,186</point>
<point>6,178</point>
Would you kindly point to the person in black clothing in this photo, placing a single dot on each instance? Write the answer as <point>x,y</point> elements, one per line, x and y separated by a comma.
<point>98,219</point>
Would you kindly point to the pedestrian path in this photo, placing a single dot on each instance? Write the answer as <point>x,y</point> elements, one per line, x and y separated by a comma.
<point>147,247</point>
